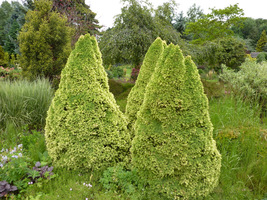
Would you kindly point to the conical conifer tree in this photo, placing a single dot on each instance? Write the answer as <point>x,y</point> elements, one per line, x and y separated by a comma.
<point>173,149</point>
<point>136,96</point>
<point>85,128</point>
<point>261,42</point>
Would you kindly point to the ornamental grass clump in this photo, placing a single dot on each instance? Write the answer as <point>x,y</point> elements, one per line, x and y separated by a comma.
<point>136,96</point>
<point>173,149</point>
<point>85,129</point>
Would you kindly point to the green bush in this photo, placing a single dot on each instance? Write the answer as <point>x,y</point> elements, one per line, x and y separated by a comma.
<point>85,129</point>
<point>23,102</point>
<point>117,71</point>
<point>249,82</point>
<point>173,149</point>
<point>136,96</point>
<point>261,57</point>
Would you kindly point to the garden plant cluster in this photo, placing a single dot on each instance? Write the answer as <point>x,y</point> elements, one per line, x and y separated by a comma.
<point>162,147</point>
<point>169,142</point>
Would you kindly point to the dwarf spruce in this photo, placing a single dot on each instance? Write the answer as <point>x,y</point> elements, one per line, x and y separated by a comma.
<point>136,96</point>
<point>173,149</point>
<point>85,128</point>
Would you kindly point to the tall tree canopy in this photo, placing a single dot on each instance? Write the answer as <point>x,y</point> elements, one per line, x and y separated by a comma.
<point>12,18</point>
<point>44,42</point>
<point>79,16</point>
<point>215,25</point>
<point>135,29</point>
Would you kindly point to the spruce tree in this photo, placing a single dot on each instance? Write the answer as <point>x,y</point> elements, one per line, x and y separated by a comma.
<point>261,42</point>
<point>45,42</point>
<point>173,149</point>
<point>136,96</point>
<point>85,128</point>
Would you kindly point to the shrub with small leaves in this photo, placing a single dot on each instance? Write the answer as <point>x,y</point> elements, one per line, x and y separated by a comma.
<point>85,130</point>
<point>250,82</point>
<point>173,149</point>
<point>136,96</point>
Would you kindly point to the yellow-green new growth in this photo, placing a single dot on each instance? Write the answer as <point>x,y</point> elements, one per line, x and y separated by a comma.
<point>85,128</point>
<point>173,149</point>
<point>136,96</point>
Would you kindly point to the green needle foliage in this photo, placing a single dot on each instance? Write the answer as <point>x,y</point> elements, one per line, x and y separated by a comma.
<point>136,96</point>
<point>85,129</point>
<point>261,42</point>
<point>45,42</point>
<point>173,149</point>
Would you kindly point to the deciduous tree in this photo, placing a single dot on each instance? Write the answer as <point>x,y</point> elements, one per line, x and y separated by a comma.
<point>215,25</point>
<point>79,15</point>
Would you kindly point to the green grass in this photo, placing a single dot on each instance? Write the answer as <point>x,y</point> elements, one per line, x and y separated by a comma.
<point>241,142</point>
<point>23,102</point>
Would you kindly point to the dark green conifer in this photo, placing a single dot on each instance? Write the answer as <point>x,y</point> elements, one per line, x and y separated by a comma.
<point>85,128</point>
<point>136,96</point>
<point>173,149</point>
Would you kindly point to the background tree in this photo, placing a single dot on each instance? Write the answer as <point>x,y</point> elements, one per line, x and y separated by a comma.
<point>135,29</point>
<point>215,25</point>
<point>79,15</point>
<point>164,18</point>
<point>29,4</point>
<point>193,14</point>
<point>12,18</point>
<point>229,51</point>
<point>5,13</point>
<point>131,36</point>
<point>44,42</point>
<point>262,41</point>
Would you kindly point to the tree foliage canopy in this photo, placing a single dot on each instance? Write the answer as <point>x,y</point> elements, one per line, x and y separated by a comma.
<point>79,16</point>
<point>228,51</point>
<point>44,42</point>
<point>12,18</point>
<point>215,25</point>
<point>134,30</point>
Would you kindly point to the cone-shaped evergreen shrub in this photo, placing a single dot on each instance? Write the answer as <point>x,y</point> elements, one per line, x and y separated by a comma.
<point>85,128</point>
<point>136,96</point>
<point>173,149</point>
